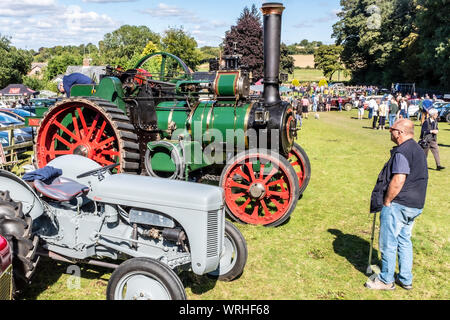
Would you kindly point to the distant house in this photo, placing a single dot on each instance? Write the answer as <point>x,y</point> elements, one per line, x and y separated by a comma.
<point>93,72</point>
<point>37,69</point>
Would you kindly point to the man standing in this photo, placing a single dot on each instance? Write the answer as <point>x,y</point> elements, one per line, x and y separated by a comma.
<point>375,106</point>
<point>73,79</point>
<point>426,105</point>
<point>393,112</point>
<point>429,133</point>
<point>400,195</point>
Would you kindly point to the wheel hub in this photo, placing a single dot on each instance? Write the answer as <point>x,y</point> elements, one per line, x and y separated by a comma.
<point>81,150</point>
<point>257,190</point>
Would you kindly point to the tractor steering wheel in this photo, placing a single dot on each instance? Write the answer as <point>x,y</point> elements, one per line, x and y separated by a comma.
<point>162,73</point>
<point>97,171</point>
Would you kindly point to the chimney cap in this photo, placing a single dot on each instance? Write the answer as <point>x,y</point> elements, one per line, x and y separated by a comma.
<point>272,8</point>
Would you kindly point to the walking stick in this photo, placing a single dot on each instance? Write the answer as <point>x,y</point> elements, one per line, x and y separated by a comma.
<point>372,268</point>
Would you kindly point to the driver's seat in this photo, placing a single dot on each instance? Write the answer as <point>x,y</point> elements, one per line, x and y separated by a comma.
<point>61,189</point>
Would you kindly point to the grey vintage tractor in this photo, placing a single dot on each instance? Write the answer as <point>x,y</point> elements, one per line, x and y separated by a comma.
<point>154,227</point>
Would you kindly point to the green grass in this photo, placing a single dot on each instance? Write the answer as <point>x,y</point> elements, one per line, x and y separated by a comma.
<point>313,75</point>
<point>321,253</point>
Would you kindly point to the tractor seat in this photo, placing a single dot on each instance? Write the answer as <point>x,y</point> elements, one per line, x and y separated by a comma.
<point>61,189</point>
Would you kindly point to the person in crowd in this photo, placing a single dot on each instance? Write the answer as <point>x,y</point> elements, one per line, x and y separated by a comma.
<point>383,113</point>
<point>305,107</point>
<point>399,194</point>
<point>372,104</point>
<point>361,107</point>
<point>393,112</point>
<point>73,79</point>
<point>340,101</point>
<point>429,133</point>
<point>404,108</point>
<point>315,98</point>
<point>375,109</point>
<point>426,105</point>
<point>328,101</point>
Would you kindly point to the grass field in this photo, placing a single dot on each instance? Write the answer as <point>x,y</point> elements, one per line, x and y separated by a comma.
<point>321,253</point>
<point>314,75</point>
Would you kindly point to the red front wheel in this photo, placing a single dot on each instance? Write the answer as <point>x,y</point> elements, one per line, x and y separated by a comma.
<point>261,188</point>
<point>300,162</point>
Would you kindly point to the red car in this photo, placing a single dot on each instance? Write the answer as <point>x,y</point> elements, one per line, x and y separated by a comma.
<point>5,270</point>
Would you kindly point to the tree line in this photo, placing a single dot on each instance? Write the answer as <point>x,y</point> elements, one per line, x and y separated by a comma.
<point>390,41</point>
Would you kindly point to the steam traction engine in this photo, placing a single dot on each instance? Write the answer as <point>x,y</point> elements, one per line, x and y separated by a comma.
<point>163,120</point>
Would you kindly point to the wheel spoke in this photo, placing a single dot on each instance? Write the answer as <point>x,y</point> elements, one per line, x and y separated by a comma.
<point>264,205</point>
<point>274,183</point>
<point>67,131</point>
<point>75,125</point>
<point>105,142</point>
<point>64,141</point>
<point>83,121</point>
<point>235,196</point>
<point>261,171</point>
<point>246,203</point>
<point>93,126</point>
<point>271,174</point>
<point>250,169</point>
<point>255,213</point>
<point>238,185</point>
<point>100,132</point>
<point>277,204</point>
<point>242,174</point>
<point>283,195</point>
<point>102,160</point>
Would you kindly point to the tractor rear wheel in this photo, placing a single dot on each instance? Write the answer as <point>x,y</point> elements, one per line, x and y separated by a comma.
<point>348,107</point>
<point>93,128</point>
<point>261,188</point>
<point>15,227</point>
<point>300,161</point>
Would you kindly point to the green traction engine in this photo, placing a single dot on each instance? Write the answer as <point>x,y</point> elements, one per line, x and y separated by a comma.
<point>162,120</point>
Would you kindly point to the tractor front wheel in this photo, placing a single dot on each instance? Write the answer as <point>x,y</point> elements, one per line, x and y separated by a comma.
<point>233,256</point>
<point>144,279</point>
<point>302,166</point>
<point>261,188</point>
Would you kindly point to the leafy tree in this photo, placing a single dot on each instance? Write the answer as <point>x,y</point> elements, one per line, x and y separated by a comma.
<point>180,44</point>
<point>287,62</point>
<point>121,45</point>
<point>247,35</point>
<point>328,59</point>
<point>58,64</point>
<point>14,63</point>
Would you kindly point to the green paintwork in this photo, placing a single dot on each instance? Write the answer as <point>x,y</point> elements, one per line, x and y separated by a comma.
<point>226,84</point>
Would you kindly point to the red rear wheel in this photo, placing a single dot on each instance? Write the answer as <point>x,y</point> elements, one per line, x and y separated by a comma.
<point>300,162</point>
<point>96,129</point>
<point>261,188</point>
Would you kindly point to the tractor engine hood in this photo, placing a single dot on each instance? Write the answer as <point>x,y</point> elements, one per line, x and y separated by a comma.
<point>143,191</point>
<point>140,190</point>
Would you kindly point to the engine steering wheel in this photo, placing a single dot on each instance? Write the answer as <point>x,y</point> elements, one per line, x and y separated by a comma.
<point>98,171</point>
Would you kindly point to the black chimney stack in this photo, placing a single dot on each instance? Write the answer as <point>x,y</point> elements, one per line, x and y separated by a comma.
<point>272,13</point>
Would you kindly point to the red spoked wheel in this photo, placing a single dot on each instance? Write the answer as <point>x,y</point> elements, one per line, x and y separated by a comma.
<point>261,188</point>
<point>95,129</point>
<point>300,162</point>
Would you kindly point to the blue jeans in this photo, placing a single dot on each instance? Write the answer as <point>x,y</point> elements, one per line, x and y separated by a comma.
<point>396,224</point>
<point>392,119</point>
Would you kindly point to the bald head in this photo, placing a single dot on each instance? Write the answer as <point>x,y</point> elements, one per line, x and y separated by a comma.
<point>401,131</point>
<point>407,126</point>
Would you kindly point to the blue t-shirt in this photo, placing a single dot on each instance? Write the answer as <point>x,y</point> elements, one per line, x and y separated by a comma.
<point>400,165</point>
<point>427,104</point>
<point>73,79</point>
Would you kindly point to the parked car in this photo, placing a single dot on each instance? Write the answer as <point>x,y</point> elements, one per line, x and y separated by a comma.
<point>5,270</point>
<point>20,135</point>
<point>443,111</point>
<point>413,108</point>
<point>19,114</point>
<point>445,116</point>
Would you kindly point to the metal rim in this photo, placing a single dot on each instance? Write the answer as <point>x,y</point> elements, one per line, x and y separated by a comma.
<point>258,197</point>
<point>140,285</point>
<point>297,162</point>
<point>228,258</point>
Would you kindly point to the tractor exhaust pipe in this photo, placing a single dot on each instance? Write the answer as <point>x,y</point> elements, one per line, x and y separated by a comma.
<point>272,13</point>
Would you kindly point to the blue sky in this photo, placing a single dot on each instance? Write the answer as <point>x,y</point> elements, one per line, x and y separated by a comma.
<point>32,24</point>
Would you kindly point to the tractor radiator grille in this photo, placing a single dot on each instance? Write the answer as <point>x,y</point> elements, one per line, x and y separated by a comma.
<point>212,248</point>
<point>6,284</point>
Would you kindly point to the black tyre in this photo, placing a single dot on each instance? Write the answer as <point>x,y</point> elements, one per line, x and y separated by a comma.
<point>300,161</point>
<point>144,279</point>
<point>233,257</point>
<point>15,226</point>
<point>348,107</point>
<point>447,117</point>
